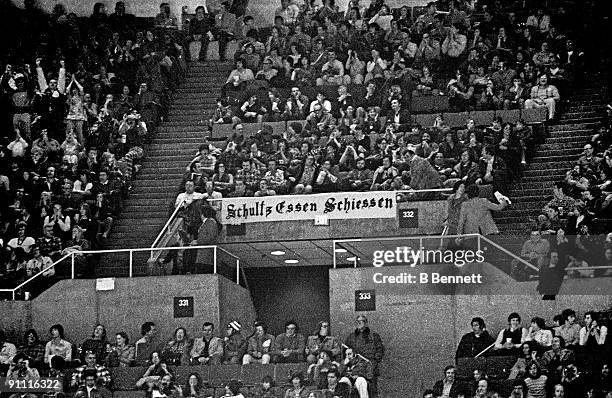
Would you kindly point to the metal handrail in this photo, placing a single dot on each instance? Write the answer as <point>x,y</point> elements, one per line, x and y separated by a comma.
<point>421,237</point>
<point>215,248</point>
<point>167,224</point>
<point>518,258</point>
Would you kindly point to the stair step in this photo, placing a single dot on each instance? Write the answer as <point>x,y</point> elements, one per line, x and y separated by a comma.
<point>587,119</point>
<point>555,158</point>
<point>524,185</point>
<point>544,192</point>
<point>573,139</point>
<point>571,151</point>
<point>557,146</point>
<point>573,126</point>
<point>541,173</point>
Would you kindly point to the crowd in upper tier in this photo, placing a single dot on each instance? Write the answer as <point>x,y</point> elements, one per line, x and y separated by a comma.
<point>79,98</point>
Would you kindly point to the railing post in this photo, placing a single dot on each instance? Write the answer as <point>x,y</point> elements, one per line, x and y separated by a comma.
<point>14,294</point>
<point>131,263</point>
<point>334,253</point>
<point>478,242</point>
<point>215,259</point>
<point>238,271</point>
<point>72,261</point>
<point>419,250</point>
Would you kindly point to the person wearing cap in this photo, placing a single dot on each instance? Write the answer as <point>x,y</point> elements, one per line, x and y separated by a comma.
<point>260,346</point>
<point>235,345</point>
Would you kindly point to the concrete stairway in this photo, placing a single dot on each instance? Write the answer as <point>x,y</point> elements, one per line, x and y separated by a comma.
<point>558,153</point>
<point>155,188</point>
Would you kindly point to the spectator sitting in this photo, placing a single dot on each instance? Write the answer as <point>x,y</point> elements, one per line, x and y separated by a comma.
<point>534,250</point>
<point>475,342</point>
<point>449,386</point>
<point>238,78</point>
<point>543,95</point>
<point>557,358</point>
<point>322,341</point>
<point>32,348</point>
<point>103,376</point>
<point>357,371</point>
<point>235,345</point>
<point>333,71</point>
<point>511,338</point>
<point>208,349</point>
<point>317,372</point>
<point>260,346</point>
<point>176,351</point>
<point>539,335</point>
<point>57,346</point>
<point>367,343</point>
<point>492,170</point>
<point>289,346</point>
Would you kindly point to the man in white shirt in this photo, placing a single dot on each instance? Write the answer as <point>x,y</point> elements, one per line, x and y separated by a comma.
<point>186,198</point>
<point>23,241</point>
<point>213,197</point>
<point>38,263</point>
<point>289,11</point>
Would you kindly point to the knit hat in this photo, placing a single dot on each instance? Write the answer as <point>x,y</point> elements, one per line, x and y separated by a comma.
<point>235,325</point>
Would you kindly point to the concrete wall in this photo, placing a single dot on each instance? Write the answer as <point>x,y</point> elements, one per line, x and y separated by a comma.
<point>421,331</point>
<point>431,216</point>
<point>297,293</point>
<point>235,304</point>
<point>78,306</point>
<point>16,318</point>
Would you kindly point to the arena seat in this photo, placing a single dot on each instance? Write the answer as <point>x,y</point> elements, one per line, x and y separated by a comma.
<point>456,119</point>
<point>482,118</point>
<point>466,366</point>
<point>425,120</point>
<point>534,115</point>
<point>253,373</point>
<point>277,127</point>
<point>219,374</point>
<point>502,387</point>
<point>128,394</point>
<point>283,371</point>
<point>499,366</point>
<point>222,130</point>
<point>509,115</point>
<point>182,373</point>
<point>126,378</point>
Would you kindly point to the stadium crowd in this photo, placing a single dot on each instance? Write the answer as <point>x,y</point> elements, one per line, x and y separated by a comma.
<point>354,362</point>
<point>79,99</point>
<point>573,229</point>
<point>565,355</point>
<point>345,82</point>
<point>561,359</point>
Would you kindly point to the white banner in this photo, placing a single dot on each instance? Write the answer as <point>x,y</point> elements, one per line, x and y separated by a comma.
<point>337,205</point>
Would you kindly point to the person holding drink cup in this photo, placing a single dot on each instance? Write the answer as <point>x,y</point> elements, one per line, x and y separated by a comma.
<point>510,339</point>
